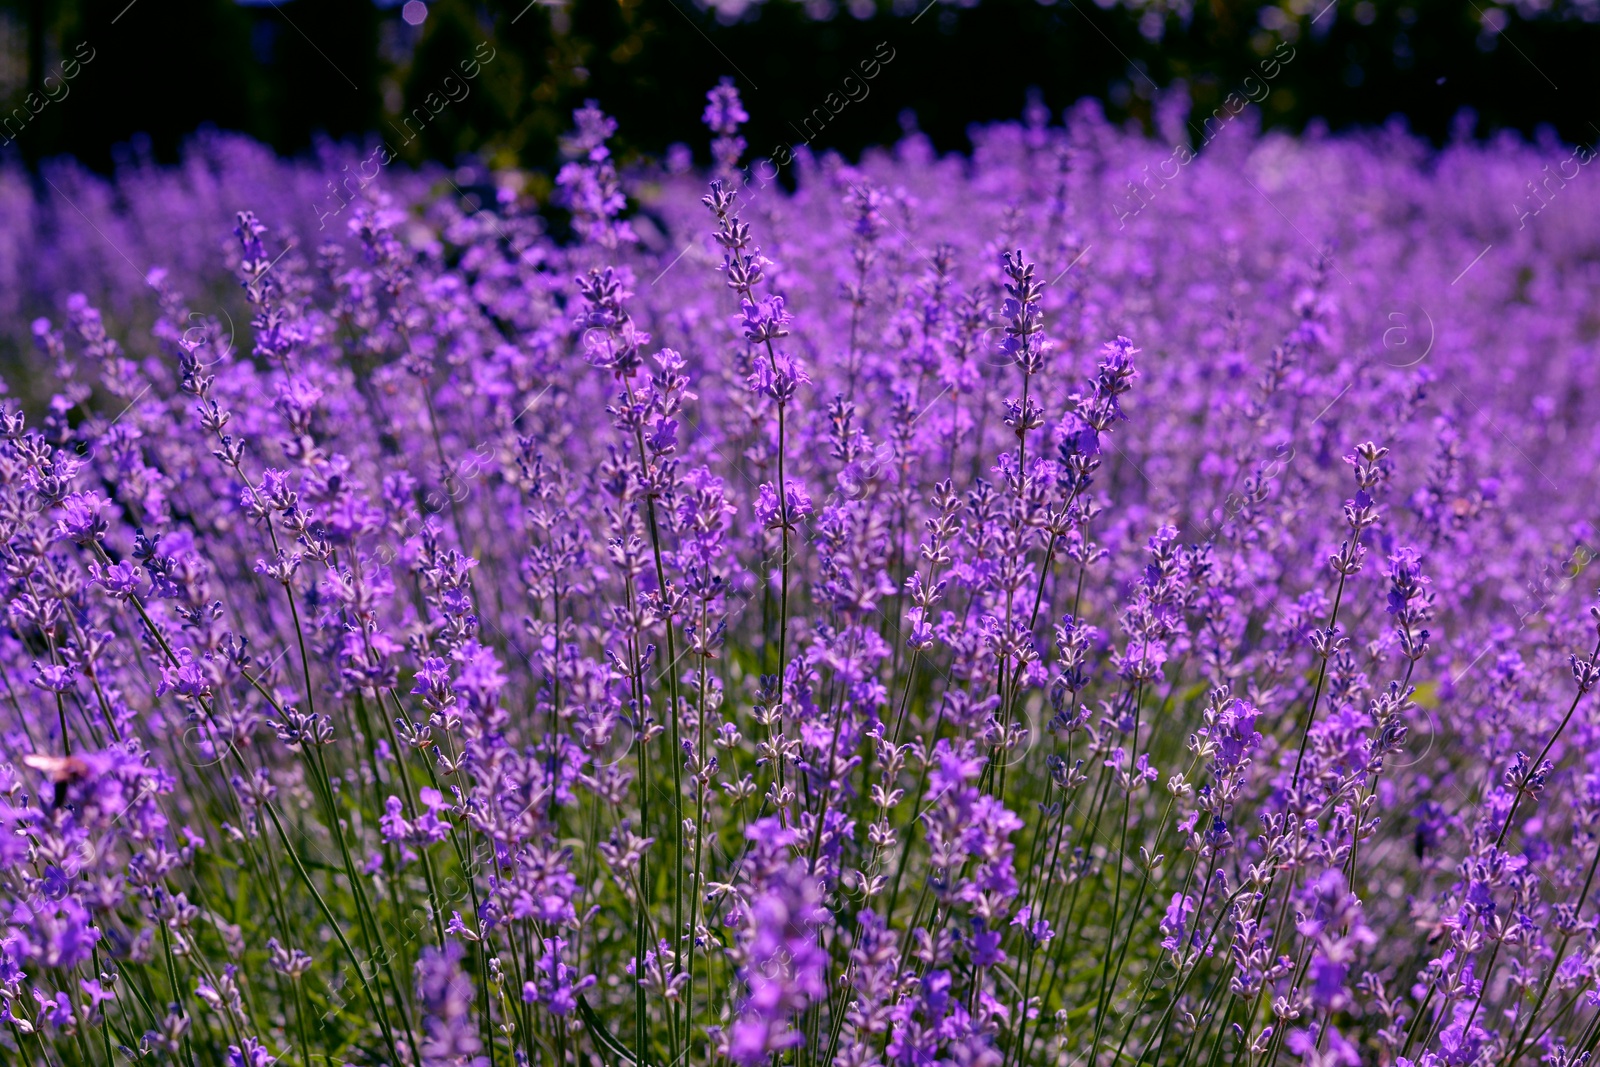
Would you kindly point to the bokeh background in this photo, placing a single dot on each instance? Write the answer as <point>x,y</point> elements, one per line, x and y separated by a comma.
<point>292,73</point>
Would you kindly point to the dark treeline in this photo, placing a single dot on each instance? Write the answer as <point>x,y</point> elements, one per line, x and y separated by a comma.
<point>94,78</point>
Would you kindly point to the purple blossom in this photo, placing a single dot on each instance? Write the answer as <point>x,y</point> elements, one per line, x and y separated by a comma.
<point>82,518</point>
<point>252,1054</point>
<point>724,113</point>
<point>555,985</point>
<point>444,995</point>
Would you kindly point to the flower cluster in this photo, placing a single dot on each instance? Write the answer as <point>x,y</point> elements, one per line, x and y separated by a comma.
<point>914,619</point>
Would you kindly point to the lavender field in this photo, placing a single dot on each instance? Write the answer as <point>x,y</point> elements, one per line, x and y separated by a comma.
<point>1082,603</point>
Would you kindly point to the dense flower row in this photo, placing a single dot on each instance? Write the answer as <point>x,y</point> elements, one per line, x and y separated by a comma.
<point>932,615</point>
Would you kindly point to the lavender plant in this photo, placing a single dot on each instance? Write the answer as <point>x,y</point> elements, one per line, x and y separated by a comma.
<point>928,617</point>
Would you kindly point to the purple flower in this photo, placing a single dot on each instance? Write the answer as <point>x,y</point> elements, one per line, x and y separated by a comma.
<point>82,518</point>
<point>764,320</point>
<point>1037,929</point>
<point>119,580</point>
<point>984,947</point>
<point>444,995</point>
<point>554,984</point>
<point>767,511</point>
<point>188,677</point>
<point>253,1054</point>
<point>1327,982</point>
<point>1179,937</point>
<point>724,113</point>
<point>54,677</point>
<point>393,824</point>
<point>1323,1047</point>
<point>55,1011</point>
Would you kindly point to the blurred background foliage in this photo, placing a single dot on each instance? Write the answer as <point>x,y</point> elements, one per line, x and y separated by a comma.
<point>293,72</point>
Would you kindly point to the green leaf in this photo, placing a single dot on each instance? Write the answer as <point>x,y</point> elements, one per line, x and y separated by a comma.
<point>601,1035</point>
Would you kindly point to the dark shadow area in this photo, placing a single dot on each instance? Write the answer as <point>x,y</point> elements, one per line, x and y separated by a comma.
<point>81,77</point>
